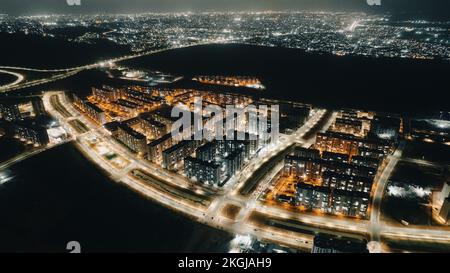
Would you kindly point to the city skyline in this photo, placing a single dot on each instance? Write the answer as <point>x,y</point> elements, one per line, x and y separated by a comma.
<point>27,7</point>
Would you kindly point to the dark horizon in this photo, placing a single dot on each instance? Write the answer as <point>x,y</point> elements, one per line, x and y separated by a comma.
<point>434,8</point>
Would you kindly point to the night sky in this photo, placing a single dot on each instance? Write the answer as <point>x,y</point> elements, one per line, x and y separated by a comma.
<point>27,7</point>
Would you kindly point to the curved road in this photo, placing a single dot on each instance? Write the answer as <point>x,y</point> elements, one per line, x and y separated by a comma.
<point>19,78</point>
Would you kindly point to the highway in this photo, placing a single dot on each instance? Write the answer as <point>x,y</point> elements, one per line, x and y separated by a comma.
<point>68,72</point>
<point>19,78</point>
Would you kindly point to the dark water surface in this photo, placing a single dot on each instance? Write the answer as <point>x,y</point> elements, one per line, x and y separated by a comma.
<point>59,196</point>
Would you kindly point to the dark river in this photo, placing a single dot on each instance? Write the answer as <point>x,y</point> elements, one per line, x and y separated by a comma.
<point>59,196</point>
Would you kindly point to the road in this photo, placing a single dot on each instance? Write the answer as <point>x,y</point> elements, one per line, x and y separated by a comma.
<point>19,78</point>
<point>26,155</point>
<point>68,72</point>
<point>380,187</point>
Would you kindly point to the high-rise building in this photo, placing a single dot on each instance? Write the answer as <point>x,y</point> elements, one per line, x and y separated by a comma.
<point>156,148</point>
<point>173,157</point>
<point>204,171</point>
<point>234,162</point>
<point>366,161</point>
<point>333,201</point>
<point>350,144</point>
<point>132,139</point>
<point>95,113</point>
<point>107,93</point>
<point>348,126</point>
<point>314,168</point>
<point>305,152</point>
<point>151,127</point>
<point>337,157</point>
<point>207,152</point>
<point>346,182</point>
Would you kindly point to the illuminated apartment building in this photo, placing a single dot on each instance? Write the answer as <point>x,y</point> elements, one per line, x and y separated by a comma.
<point>234,162</point>
<point>143,99</point>
<point>308,168</point>
<point>173,157</point>
<point>19,109</point>
<point>372,153</point>
<point>349,144</point>
<point>366,161</point>
<point>332,201</point>
<point>346,182</point>
<point>204,171</point>
<point>313,197</point>
<point>348,126</point>
<point>305,152</point>
<point>207,152</point>
<point>90,109</point>
<point>132,139</point>
<point>31,132</point>
<point>126,106</point>
<point>152,128</point>
<point>94,112</point>
<point>314,168</point>
<point>156,148</point>
<point>337,157</point>
<point>107,93</point>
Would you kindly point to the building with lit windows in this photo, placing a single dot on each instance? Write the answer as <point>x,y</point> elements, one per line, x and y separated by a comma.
<point>29,131</point>
<point>234,161</point>
<point>366,161</point>
<point>94,112</point>
<point>173,157</point>
<point>346,182</point>
<point>156,148</point>
<point>132,139</point>
<point>348,126</point>
<point>207,172</point>
<point>332,201</point>
<point>350,144</point>
<point>152,128</point>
